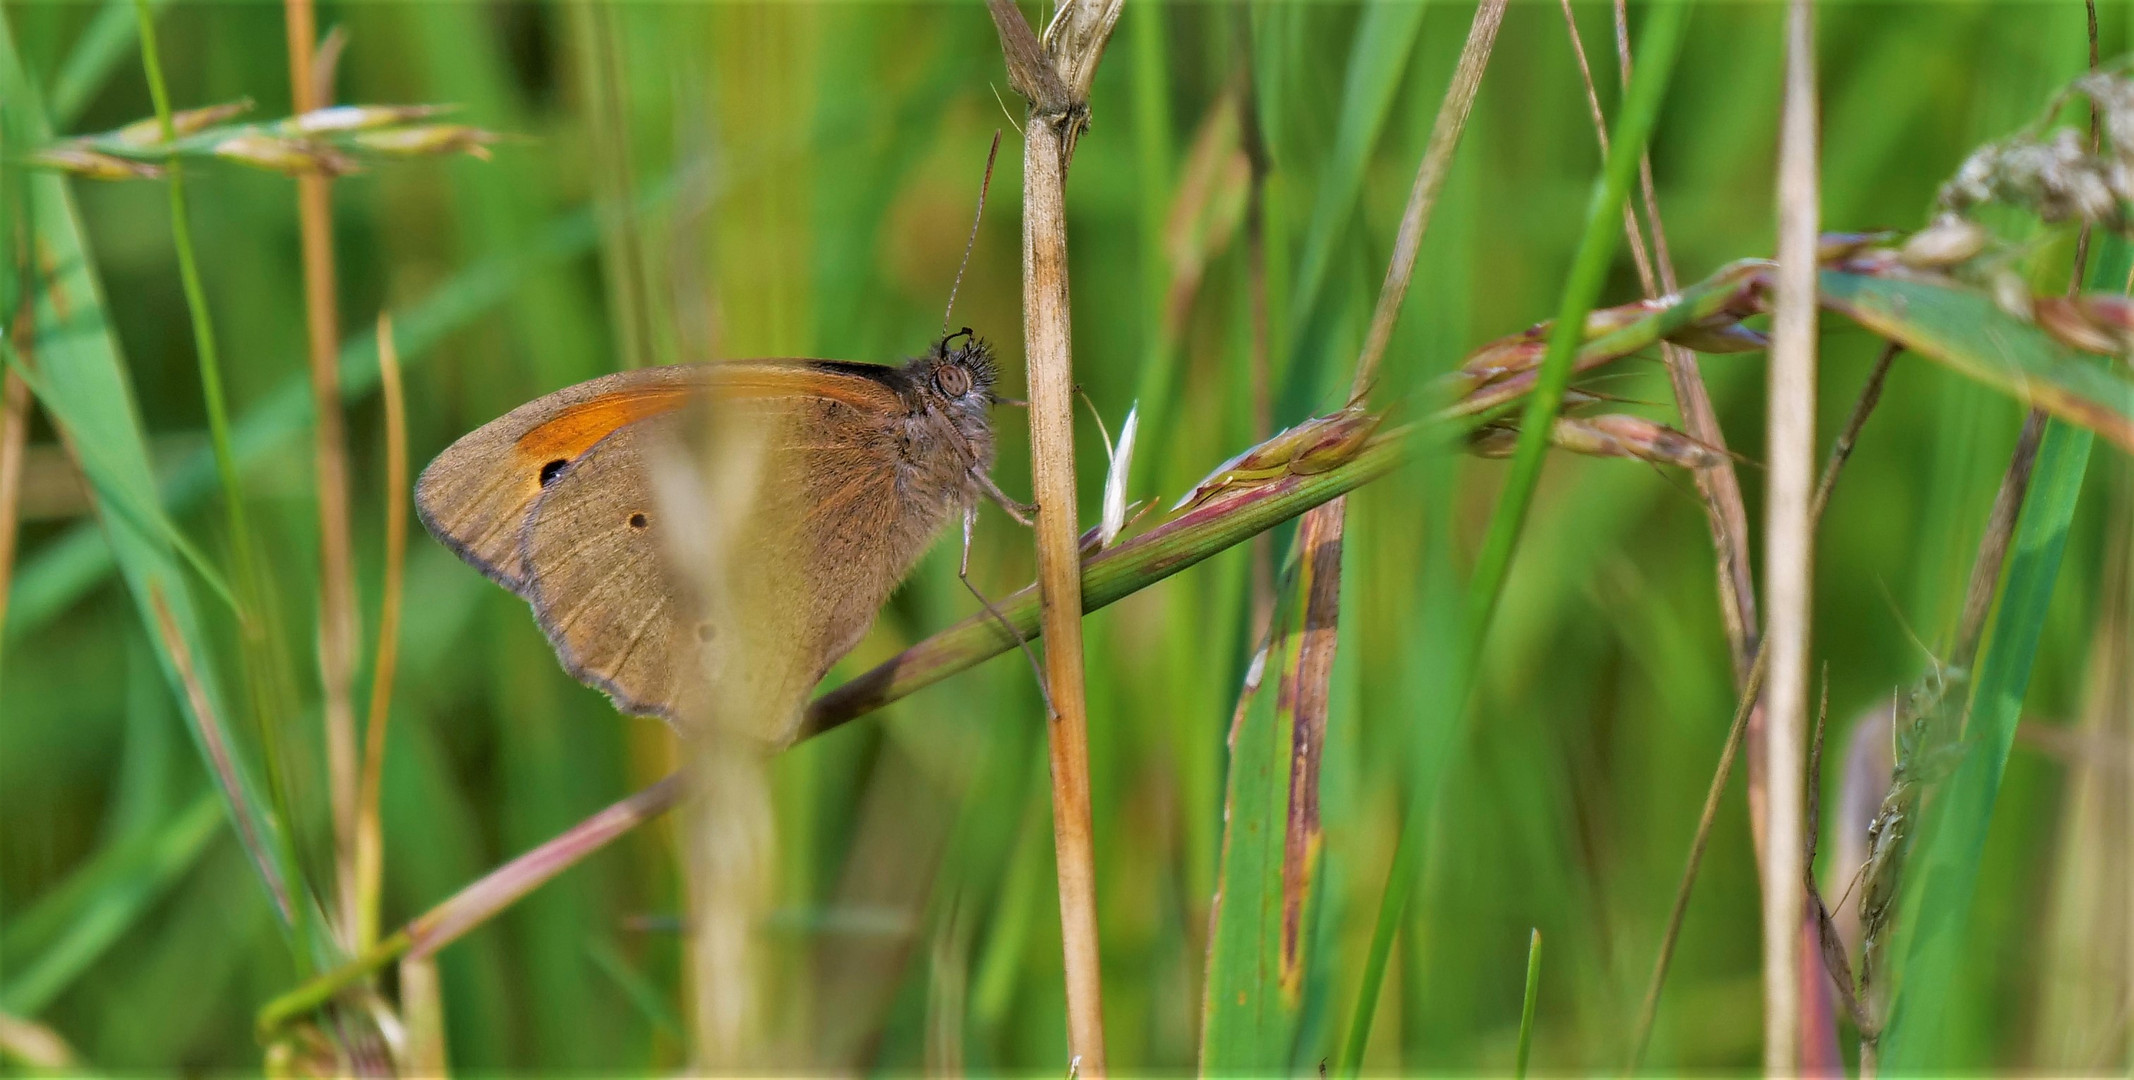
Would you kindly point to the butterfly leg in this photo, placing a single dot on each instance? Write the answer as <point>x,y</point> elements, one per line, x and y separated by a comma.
<point>963,570</point>
<point>1022,512</point>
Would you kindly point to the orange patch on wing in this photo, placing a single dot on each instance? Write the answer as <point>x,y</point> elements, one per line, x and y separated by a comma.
<point>574,430</point>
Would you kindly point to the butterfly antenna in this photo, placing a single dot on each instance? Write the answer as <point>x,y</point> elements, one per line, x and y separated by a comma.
<point>968,244</point>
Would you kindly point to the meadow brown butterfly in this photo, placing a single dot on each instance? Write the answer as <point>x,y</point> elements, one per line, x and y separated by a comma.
<point>554,500</point>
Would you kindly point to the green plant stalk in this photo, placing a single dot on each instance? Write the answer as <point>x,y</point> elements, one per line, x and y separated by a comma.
<point>1526,1007</point>
<point>218,417</point>
<point>250,613</point>
<point>1658,46</point>
<point>1940,905</point>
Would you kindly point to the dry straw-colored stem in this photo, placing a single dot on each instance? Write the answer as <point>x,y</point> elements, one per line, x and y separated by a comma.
<point>14,437</point>
<point>1430,176</point>
<point>1054,75</point>
<point>1751,692</point>
<point>370,837</point>
<point>1789,543</point>
<point>329,447</point>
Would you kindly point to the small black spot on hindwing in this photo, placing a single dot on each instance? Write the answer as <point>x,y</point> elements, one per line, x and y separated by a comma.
<point>637,520</point>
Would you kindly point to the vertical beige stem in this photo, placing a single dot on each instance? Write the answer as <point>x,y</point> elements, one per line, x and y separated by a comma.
<point>14,436</point>
<point>1047,344</point>
<point>337,602</point>
<point>1789,560</point>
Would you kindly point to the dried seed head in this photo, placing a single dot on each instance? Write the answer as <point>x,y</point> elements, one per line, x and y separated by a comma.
<point>92,164</point>
<point>2055,177</point>
<point>2010,292</point>
<point>1832,247</point>
<point>431,139</point>
<point>2098,324</point>
<point>1950,240</point>
<point>294,157</point>
<point>2112,95</point>
<point>149,132</point>
<point>1608,435</point>
<point>344,118</point>
<point>1723,337</point>
<point>1314,446</point>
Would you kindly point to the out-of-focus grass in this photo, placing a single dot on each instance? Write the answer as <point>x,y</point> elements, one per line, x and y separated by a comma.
<point>803,178</point>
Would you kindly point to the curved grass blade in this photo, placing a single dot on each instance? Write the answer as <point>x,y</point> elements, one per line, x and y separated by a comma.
<point>84,382</point>
<point>1967,332</point>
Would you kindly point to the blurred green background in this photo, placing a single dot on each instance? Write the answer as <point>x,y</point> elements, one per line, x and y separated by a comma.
<point>731,180</point>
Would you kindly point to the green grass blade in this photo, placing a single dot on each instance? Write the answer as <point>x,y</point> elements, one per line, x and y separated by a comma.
<point>1932,973</point>
<point>1247,1017</point>
<point>1965,330</point>
<point>1526,1007</point>
<point>1657,47</point>
<point>77,362</point>
<point>1378,56</point>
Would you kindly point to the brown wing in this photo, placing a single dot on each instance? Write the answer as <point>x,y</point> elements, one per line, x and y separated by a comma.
<point>475,496</point>
<point>597,577</point>
<point>826,540</point>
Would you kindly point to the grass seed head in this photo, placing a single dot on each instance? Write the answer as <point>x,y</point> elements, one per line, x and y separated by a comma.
<point>149,132</point>
<point>430,140</point>
<point>293,157</point>
<point>93,164</point>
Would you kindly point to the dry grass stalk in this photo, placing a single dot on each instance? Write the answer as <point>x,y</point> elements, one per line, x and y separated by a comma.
<point>422,1011</point>
<point>1054,75</point>
<point>337,585</point>
<point>370,840</point>
<point>1717,484</point>
<point>1751,695</point>
<point>1789,542</point>
<point>14,439</point>
<point>1430,176</point>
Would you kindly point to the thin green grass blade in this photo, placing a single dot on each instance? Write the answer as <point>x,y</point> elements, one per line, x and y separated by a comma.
<point>1526,1007</point>
<point>1657,48</point>
<point>1933,969</point>
<point>1385,35</point>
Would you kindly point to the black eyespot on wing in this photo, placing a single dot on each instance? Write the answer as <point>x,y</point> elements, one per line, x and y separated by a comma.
<point>553,469</point>
<point>637,520</point>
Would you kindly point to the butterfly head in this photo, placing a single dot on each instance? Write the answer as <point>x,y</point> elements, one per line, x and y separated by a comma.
<point>959,369</point>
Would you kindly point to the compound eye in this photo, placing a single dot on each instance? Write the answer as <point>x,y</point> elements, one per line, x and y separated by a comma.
<point>952,380</point>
